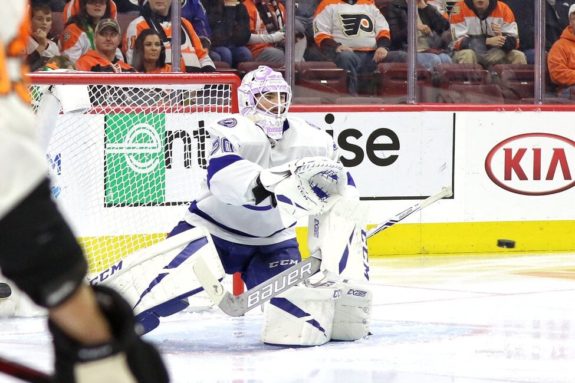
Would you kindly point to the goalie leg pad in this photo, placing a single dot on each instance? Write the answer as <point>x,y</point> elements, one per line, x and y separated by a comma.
<point>340,242</point>
<point>301,316</point>
<point>352,312</point>
<point>157,280</point>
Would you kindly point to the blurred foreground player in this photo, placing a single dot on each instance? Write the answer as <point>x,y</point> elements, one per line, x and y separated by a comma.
<point>266,171</point>
<point>92,328</point>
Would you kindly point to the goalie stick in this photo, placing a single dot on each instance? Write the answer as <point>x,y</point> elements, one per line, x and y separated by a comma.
<point>24,373</point>
<point>256,296</point>
<point>239,305</point>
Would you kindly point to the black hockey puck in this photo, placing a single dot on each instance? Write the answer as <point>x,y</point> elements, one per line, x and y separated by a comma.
<point>5,290</point>
<point>506,243</point>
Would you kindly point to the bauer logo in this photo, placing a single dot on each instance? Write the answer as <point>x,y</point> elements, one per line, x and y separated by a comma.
<point>134,167</point>
<point>532,164</point>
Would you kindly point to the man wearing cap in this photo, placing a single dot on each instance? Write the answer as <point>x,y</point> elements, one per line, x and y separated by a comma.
<point>561,59</point>
<point>485,32</point>
<point>104,59</point>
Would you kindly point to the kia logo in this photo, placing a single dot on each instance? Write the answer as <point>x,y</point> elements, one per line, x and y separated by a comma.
<point>532,164</point>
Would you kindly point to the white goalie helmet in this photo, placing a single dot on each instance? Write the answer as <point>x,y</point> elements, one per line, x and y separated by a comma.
<point>265,97</point>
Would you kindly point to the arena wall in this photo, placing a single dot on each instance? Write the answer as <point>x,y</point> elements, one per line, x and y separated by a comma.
<point>512,173</point>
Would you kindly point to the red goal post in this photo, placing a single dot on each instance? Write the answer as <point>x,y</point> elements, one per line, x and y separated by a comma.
<point>127,152</point>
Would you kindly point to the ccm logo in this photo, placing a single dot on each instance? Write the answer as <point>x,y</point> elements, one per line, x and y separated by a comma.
<point>283,262</point>
<point>532,164</point>
<point>109,272</point>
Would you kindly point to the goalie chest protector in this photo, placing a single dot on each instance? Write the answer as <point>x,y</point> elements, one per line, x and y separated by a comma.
<point>241,221</point>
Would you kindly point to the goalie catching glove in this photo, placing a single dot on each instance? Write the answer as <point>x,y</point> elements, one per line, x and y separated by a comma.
<point>304,187</point>
<point>126,359</point>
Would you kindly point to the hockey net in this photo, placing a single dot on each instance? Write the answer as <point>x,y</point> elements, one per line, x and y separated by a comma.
<point>125,166</point>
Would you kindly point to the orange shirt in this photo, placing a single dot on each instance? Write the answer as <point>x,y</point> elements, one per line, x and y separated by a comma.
<point>257,26</point>
<point>561,59</point>
<point>93,61</point>
<point>165,69</point>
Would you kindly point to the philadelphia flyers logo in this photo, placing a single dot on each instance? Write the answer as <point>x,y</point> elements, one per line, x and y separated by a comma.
<point>353,23</point>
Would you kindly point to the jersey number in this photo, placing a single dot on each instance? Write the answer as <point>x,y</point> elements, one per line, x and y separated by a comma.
<point>222,144</point>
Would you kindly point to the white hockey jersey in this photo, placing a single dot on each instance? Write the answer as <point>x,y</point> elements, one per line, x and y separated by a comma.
<point>240,150</point>
<point>22,164</point>
<point>357,26</point>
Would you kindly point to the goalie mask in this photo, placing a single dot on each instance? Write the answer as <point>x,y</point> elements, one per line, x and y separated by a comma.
<point>264,97</point>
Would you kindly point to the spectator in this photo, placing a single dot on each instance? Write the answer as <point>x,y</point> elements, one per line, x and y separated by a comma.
<point>440,5</point>
<point>556,19</point>
<point>561,58</point>
<point>355,35</point>
<point>155,14</point>
<point>304,12</point>
<point>485,32</point>
<point>57,5</point>
<point>230,30</point>
<point>74,7</point>
<point>83,15</point>
<point>195,13</point>
<point>267,27</point>
<point>150,53</point>
<point>40,47</point>
<point>93,329</point>
<point>58,63</point>
<point>431,25</point>
<point>103,58</point>
<point>127,6</point>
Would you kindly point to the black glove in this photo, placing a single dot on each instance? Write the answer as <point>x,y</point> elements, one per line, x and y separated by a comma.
<point>127,355</point>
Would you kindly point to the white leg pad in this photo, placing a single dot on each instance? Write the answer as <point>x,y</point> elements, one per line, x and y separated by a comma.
<point>341,243</point>
<point>352,312</point>
<point>162,272</point>
<point>301,316</point>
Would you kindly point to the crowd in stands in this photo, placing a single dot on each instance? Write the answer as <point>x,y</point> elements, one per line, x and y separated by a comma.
<point>361,37</point>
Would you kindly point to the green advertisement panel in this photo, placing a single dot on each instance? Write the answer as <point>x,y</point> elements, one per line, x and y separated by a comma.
<point>134,159</point>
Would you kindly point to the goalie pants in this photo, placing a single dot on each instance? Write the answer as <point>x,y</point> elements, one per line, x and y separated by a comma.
<point>255,263</point>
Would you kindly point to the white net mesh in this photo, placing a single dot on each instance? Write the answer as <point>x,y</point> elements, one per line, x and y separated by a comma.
<point>124,169</point>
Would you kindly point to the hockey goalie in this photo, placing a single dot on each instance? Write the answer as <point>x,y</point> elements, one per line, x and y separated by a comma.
<point>267,172</point>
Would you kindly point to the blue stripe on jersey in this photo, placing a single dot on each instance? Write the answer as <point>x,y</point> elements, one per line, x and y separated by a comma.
<point>196,210</point>
<point>218,163</point>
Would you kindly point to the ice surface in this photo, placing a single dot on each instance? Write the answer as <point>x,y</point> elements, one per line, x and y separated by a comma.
<point>436,319</point>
